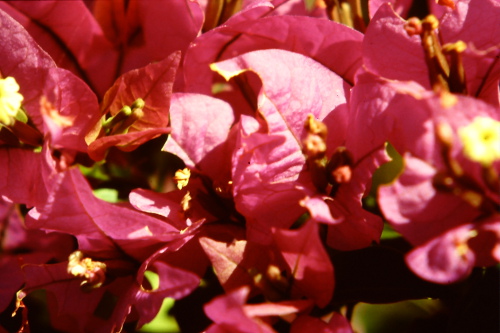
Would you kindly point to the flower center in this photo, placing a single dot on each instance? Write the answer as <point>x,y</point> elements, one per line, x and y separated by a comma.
<point>121,122</point>
<point>181,178</point>
<point>481,140</point>
<point>92,272</point>
<point>326,173</point>
<point>481,143</point>
<point>10,100</point>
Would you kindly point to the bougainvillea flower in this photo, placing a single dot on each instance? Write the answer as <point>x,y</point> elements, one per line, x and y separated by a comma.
<point>295,266</point>
<point>315,38</point>
<point>55,101</point>
<point>444,188</point>
<point>37,246</point>
<point>57,109</point>
<point>76,47</point>
<point>93,225</point>
<point>200,139</point>
<point>270,175</point>
<point>452,256</point>
<point>110,38</point>
<point>135,109</point>
<point>231,314</point>
<point>73,307</point>
<point>471,68</point>
<point>307,262</point>
<point>238,262</point>
<point>112,246</point>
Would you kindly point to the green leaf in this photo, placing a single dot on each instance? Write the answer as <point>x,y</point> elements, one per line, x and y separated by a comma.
<point>389,233</point>
<point>389,171</point>
<point>163,321</point>
<point>95,171</point>
<point>395,317</point>
<point>107,194</point>
<point>309,4</point>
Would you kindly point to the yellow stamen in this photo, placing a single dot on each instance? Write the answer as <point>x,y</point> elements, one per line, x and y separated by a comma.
<point>10,100</point>
<point>182,177</point>
<point>447,99</point>
<point>186,202</point>
<point>92,272</point>
<point>481,140</point>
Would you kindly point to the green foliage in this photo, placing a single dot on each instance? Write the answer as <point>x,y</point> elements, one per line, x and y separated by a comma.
<point>163,321</point>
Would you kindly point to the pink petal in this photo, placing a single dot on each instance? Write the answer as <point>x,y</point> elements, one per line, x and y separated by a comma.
<point>388,51</point>
<point>445,259</point>
<point>296,86</point>
<point>174,282</point>
<point>72,24</point>
<point>228,314</point>
<point>198,138</point>
<point>308,36</point>
<point>416,209</point>
<point>71,309</point>
<point>476,23</point>
<point>233,257</point>
<point>153,84</point>
<point>38,76</point>
<point>98,225</point>
<point>401,7</point>
<point>184,19</point>
<point>17,181</point>
<point>308,262</point>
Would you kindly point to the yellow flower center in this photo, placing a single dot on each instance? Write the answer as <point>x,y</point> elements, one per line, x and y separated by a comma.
<point>181,178</point>
<point>481,140</point>
<point>92,272</point>
<point>10,100</point>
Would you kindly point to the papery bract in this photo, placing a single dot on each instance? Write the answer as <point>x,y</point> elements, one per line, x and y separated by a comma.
<point>72,308</point>
<point>70,305</point>
<point>37,247</point>
<point>58,103</point>
<point>112,234</point>
<point>308,262</point>
<point>122,35</point>
<point>403,7</point>
<point>79,47</point>
<point>230,314</point>
<point>200,128</point>
<point>271,160</point>
<point>17,182</point>
<point>233,258</point>
<point>391,53</point>
<point>99,226</point>
<point>312,37</point>
<point>153,84</point>
<point>433,216</point>
<point>451,256</point>
<point>270,176</point>
<point>174,282</point>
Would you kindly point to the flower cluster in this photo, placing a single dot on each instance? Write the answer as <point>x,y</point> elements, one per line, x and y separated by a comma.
<point>260,165</point>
